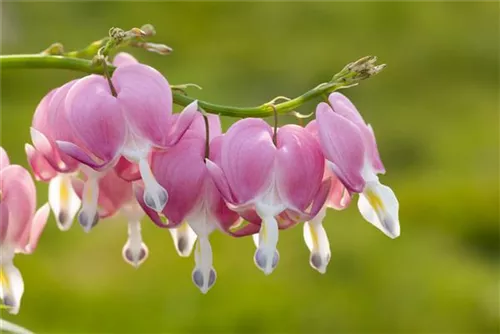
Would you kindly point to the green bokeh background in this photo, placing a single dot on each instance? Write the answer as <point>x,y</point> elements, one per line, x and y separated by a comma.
<point>436,114</point>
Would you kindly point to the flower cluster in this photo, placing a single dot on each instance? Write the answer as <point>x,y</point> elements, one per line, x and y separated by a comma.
<point>112,145</point>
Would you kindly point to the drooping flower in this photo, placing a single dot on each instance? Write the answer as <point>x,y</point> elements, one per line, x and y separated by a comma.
<point>20,227</point>
<point>48,163</point>
<point>194,198</point>
<point>349,145</point>
<point>130,124</point>
<point>270,184</point>
<point>115,196</point>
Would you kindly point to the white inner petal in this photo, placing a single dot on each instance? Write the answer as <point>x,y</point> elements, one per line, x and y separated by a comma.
<point>63,200</point>
<point>317,241</point>
<point>88,215</point>
<point>379,206</point>
<point>135,251</point>
<point>184,239</point>
<point>155,196</point>
<point>11,286</point>
<point>268,240</point>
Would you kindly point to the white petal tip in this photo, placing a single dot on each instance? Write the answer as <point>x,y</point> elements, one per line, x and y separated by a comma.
<point>156,200</point>
<point>265,262</point>
<point>204,281</point>
<point>319,262</point>
<point>85,221</point>
<point>135,257</point>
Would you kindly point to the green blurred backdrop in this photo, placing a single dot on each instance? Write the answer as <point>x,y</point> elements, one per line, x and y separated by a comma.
<point>435,112</point>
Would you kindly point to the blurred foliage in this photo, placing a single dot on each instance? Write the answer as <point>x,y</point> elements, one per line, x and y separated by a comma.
<point>435,112</point>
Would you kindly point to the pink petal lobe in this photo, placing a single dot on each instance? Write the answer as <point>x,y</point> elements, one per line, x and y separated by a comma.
<point>37,226</point>
<point>180,123</point>
<point>123,59</point>
<point>342,144</point>
<point>96,117</point>
<point>339,197</point>
<point>127,170</point>
<point>146,100</point>
<point>181,171</point>
<point>214,126</point>
<point>344,107</point>
<point>220,181</point>
<point>41,167</point>
<point>80,155</point>
<point>4,159</point>
<point>300,166</point>
<point>19,195</point>
<point>247,158</point>
<point>4,220</point>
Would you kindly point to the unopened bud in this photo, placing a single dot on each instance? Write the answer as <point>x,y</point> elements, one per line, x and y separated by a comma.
<point>148,29</point>
<point>135,32</point>
<point>154,47</point>
<point>117,34</point>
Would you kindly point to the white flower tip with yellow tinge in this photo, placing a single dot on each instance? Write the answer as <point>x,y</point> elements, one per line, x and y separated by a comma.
<point>88,216</point>
<point>63,201</point>
<point>184,239</point>
<point>316,240</point>
<point>379,206</point>
<point>155,196</point>
<point>11,287</point>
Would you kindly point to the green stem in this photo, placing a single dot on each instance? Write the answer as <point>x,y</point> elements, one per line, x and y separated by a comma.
<point>349,76</point>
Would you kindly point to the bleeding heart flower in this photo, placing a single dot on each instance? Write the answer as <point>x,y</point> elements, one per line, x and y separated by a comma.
<point>130,124</point>
<point>194,198</point>
<point>20,227</point>
<point>349,145</point>
<point>267,183</point>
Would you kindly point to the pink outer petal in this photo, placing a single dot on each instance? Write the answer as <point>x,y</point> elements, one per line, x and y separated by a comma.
<point>59,126</point>
<point>146,100</point>
<point>41,167</point>
<point>114,192</point>
<point>4,220</point>
<point>377,164</point>
<point>342,144</point>
<point>19,195</point>
<point>4,159</point>
<point>124,59</point>
<point>41,115</point>
<point>247,230</point>
<point>96,117</point>
<point>343,106</point>
<point>153,215</point>
<point>80,155</point>
<point>214,126</point>
<point>224,216</point>
<point>247,158</point>
<point>35,231</point>
<point>300,166</point>
<point>339,197</point>
<point>180,123</point>
<point>127,170</point>
<point>220,181</point>
<point>182,172</point>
